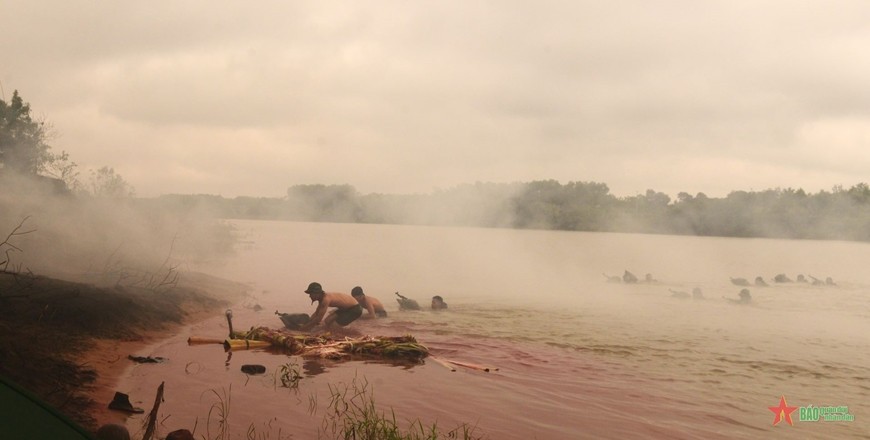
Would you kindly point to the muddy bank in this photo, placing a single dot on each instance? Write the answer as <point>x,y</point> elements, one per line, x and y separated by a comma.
<point>67,341</point>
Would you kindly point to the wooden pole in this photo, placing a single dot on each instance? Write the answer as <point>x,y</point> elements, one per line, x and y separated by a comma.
<point>230,321</point>
<point>472,366</point>
<point>245,344</point>
<point>202,340</point>
<point>443,363</point>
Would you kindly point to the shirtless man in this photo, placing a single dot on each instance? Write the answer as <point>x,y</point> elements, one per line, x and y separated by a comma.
<point>346,309</point>
<point>375,308</point>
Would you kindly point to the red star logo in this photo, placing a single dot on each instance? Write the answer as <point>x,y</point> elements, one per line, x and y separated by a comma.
<point>782,411</point>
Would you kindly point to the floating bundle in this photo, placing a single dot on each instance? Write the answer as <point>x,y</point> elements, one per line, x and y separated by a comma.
<point>406,303</point>
<point>393,347</point>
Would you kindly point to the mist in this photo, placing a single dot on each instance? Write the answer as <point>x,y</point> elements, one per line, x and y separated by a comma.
<point>546,285</point>
<point>507,156</point>
<point>839,214</point>
<point>124,240</point>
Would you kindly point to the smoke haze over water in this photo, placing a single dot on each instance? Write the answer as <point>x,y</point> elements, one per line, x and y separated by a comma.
<point>537,304</point>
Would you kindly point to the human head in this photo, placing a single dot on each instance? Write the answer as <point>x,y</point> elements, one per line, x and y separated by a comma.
<point>438,302</point>
<point>315,291</point>
<point>696,293</point>
<point>744,295</point>
<point>357,292</point>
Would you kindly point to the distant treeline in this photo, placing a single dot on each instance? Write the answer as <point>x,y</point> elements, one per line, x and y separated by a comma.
<point>841,214</point>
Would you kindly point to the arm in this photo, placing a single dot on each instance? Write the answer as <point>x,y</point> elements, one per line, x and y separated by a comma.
<point>371,309</point>
<point>317,316</point>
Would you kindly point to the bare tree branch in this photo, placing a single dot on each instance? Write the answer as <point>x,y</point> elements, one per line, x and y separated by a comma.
<point>10,247</point>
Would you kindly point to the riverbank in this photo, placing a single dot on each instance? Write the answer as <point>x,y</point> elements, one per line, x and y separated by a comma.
<point>68,341</point>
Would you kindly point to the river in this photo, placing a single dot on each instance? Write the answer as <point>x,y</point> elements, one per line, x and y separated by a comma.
<point>577,356</point>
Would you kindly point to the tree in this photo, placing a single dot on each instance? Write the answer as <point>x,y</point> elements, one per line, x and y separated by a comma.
<point>60,167</point>
<point>105,183</point>
<point>338,203</point>
<point>23,146</point>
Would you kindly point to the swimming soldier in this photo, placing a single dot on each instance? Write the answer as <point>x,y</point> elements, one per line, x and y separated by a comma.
<point>373,305</point>
<point>345,308</point>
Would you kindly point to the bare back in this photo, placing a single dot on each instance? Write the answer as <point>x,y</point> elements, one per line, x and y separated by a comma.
<point>376,304</point>
<point>372,305</point>
<point>330,299</point>
<point>338,300</point>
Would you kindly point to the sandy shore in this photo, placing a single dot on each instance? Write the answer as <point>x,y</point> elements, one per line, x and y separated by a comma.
<point>48,324</point>
<point>109,359</point>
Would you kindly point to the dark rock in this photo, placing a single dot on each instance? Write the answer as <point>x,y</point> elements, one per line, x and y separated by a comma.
<point>253,369</point>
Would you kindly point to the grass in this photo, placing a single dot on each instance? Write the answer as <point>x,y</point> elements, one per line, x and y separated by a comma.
<point>289,375</point>
<point>220,410</point>
<point>350,414</point>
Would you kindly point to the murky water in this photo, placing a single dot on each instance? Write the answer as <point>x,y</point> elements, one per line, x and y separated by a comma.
<point>577,357</point>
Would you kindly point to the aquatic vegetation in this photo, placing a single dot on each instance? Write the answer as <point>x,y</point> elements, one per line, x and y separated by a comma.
<point>351,414</point>
<point>221,411</point>
<point>289,375</point>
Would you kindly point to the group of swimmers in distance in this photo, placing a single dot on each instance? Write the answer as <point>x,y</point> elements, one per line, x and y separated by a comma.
<point>335,308</point>
<point>783,278</point>
<point>629,278</point>
<point>744,297</point>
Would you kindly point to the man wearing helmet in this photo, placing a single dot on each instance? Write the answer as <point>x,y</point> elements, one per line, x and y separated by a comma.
<point>345,308</point>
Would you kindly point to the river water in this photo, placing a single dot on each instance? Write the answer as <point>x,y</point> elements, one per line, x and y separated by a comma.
<point>577,356</point>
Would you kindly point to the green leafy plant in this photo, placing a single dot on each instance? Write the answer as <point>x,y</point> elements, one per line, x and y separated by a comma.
<point>352,415</point>
<point>289,375</point>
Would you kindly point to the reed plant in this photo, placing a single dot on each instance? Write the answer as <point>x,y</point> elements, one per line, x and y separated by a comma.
<point>220,410</point>
<point>352,415</point>
<point>289,375</point>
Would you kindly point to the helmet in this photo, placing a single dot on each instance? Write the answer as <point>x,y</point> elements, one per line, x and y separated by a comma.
<point>314,288</point>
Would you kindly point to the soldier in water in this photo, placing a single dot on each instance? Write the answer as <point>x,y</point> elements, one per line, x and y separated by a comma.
<point>438,303</point>
<point>406,303</point>
<point>345,308</point>
<point>745,297</point>
<point>374,307</point>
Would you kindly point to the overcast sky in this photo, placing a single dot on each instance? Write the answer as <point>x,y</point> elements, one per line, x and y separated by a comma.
<point>248,98</point>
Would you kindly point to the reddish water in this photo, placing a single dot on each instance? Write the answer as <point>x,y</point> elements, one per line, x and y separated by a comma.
<point>577,357</point>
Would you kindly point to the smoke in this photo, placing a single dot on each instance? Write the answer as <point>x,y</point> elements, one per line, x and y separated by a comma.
<point>62,234</point>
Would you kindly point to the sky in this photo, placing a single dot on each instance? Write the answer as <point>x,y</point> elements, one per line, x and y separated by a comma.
<point>239,98</point>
